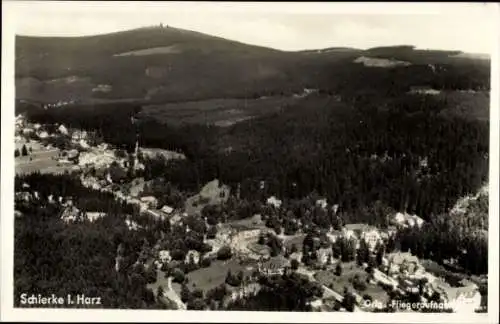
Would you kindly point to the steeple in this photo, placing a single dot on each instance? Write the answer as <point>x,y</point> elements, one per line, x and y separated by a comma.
<point>136,151</point>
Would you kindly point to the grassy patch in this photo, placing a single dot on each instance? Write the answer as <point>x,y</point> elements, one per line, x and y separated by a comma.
<point>349,270</point>
<point>41,161</point>
<point>469,105</point>
<point>219,112</point>
<point>213,276</point>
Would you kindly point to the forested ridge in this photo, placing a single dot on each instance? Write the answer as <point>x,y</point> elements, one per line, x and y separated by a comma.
<point>395,149</point>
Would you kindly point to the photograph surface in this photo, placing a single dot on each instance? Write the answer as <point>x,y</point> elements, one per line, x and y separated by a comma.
<point>227,158</point>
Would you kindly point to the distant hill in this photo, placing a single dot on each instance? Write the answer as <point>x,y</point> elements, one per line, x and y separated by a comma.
<point>166,64</point>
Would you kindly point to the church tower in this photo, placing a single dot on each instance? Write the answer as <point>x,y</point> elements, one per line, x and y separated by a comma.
<point>136,151</point>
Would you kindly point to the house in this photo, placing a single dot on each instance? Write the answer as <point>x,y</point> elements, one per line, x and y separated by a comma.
<point>132,226</point>
<point>408,286</point>
<point>28,131</point>
<point>167,209</point>
<point>273,201</point>
<point>83,144</point>
<point>164,256</point>
<point>402,262</point>
<point>63,130</point>
<point>296,256</point>
<point>92,216</point>
<point>42,135</point>
<point>399,219</point>
<point>176,218</point>
<point>316,304</point>
<point>372,237</point>
<point>64,161</point>
<point>151,212</point>
<point>424,90</point>
<point>274,266</point>
<point>24,195</point>
<point>465,299</point>
<point>73,154</point>
<point>322,203</point>
<point>195,255</point>
<point>78,135</point>
<point>70,214</point>
<point>418,221</point>
<point>349,234</point>
<point>151,201</point>
<point>333,235</point>
<point>323,255</point>
<point>406,220</point>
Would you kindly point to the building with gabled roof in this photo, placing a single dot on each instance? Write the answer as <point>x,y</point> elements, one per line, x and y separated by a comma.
<point>274,266</point>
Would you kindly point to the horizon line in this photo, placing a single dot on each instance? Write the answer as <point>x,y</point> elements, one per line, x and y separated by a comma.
<point>162,25</point>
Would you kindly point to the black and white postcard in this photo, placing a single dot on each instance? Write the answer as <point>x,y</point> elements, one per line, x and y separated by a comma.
<point>249,162</point>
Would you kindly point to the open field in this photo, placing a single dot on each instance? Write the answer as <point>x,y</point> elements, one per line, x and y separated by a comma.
<point>41,160</point>
<point>218,112</point>
<point>349,270</point>
<point>472,105</point>
<point>210,194</point>
<point>213,276</point>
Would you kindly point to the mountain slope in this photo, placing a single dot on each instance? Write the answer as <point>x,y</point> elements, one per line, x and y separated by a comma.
<point>169,64</point>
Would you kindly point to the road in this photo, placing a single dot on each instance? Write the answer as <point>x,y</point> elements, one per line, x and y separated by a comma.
<point>172,295</point>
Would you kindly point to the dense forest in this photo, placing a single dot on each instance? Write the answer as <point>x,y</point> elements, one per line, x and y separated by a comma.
<point>398,150</point>
<point>290,292</point>
<point>79,258</point>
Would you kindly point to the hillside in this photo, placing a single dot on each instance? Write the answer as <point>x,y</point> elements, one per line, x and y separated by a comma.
<point>165,64</point>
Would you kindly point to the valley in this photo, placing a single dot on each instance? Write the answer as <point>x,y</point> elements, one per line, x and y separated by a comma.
<point>194,172</point>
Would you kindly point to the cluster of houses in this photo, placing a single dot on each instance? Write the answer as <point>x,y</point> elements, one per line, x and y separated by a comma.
<point>77,139</point>
<point>58,104</point>
<point>400,270</point>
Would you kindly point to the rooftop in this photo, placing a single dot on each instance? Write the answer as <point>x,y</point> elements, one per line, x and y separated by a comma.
<point>400,257</point>
<point>276,262</point>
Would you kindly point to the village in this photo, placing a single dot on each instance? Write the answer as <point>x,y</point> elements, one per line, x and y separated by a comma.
<point>347,260</point>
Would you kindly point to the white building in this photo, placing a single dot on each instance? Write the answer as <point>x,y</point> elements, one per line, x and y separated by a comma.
<point>43,135</point>
<point>133,226</point>
<point>151,201</point>
<point>323,254</point>
<point>273,266</point>
<point>348,234</point>
<point>371,237</point>
<point>167,209</point>
<point>273,201</point>
<point>93,216</point>
<point>193,254</point>
<point>28,131</point>
<point>63,130</point>
<point>322,203</point>
<point>466,299</point>
<point>164,256</point>
<point>83,144</point>
<point>407,220</point>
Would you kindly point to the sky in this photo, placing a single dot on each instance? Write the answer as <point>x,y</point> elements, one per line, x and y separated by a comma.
<point>467,27</point>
